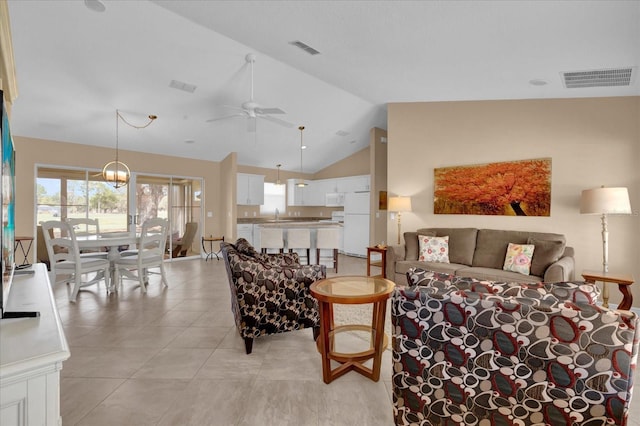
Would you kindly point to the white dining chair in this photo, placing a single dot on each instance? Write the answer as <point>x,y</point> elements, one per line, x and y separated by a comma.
<point>87,227</point>
<point>299,240</point>
<point>150,254</point>
<point>65,261</point>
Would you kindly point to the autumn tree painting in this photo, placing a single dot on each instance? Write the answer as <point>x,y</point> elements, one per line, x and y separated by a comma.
<point>515,188</point>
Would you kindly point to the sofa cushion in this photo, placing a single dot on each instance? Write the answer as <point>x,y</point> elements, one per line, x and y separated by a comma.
<point>462,243</point>
<point>482,273</point>
<point>450,268</point>
<point>518,258</point>
<point>545,253</point>
<point>491,246</point>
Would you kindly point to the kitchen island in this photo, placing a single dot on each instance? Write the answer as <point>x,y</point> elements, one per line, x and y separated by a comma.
<point>285,225</point>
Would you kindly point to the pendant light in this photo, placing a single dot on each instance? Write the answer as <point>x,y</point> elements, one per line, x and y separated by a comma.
<point>301,182</point>
<point>117,173</point>
<point>278,181</point>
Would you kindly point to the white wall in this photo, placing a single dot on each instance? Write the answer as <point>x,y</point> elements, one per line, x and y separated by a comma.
<point>592,142</point>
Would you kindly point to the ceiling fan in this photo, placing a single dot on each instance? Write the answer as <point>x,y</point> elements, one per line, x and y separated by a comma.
<point>251,110</point>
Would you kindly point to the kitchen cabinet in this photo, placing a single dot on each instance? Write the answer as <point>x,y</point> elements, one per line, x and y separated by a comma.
<point>296,194</point>
<point>250,190</point>
<point>245,230</point>
<point>315,193</point>
<point>353,184</point>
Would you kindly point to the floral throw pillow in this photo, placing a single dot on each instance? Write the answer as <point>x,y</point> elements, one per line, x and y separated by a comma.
<point>433,249</point>
<point>518,258</point>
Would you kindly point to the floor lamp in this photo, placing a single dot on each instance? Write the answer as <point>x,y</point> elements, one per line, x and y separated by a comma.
<point>399,205</point>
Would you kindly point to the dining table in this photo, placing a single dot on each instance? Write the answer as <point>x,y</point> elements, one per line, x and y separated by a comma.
<point>112,241</point>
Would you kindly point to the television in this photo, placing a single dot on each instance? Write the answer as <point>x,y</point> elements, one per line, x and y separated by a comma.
<point>7,175</point>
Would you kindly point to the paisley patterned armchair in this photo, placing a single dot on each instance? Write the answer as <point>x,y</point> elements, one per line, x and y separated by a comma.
<point>270,292</point>
<point>471,352</point>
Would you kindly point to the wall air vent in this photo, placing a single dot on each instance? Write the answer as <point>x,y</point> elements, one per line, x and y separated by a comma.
<point>310,50</point>
<point>182,86</point>
<point>599,78</point>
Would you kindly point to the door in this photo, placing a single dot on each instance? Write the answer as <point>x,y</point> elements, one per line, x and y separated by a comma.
<point>174,198</point>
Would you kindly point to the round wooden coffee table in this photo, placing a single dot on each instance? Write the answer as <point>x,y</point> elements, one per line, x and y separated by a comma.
<point>351,290</point>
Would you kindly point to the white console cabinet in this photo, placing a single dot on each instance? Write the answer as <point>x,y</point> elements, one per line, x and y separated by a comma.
<point>31,354</point>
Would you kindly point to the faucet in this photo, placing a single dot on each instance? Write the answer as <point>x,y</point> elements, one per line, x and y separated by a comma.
<point>277,214</point>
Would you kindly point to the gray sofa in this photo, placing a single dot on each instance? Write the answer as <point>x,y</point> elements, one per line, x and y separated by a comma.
<point>480,253</point>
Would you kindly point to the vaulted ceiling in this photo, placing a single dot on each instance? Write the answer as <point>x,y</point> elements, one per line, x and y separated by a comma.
<point>76,66</point>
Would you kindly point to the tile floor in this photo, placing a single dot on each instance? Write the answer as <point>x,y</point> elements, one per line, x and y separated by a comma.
<point>173,357</point>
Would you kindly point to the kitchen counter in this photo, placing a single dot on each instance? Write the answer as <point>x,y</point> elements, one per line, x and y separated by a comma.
<point>286,219</point>
<point>300,224</point>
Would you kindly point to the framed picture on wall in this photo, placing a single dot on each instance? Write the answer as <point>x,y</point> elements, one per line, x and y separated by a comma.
<point>511,188</point>
<point>382,200</point>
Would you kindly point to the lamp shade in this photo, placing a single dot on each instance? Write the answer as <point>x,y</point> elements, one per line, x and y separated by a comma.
<point>605,201</point>
<point>400,204</point>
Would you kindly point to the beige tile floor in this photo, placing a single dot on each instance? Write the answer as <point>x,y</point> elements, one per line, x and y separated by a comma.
<point>173,357</point>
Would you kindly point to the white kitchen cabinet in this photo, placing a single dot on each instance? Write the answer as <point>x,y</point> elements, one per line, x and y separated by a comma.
<point>250,190</point>
<point>296,194</point>
<point>245,230</point>
<point>353,184</point>
<point>315,193</point>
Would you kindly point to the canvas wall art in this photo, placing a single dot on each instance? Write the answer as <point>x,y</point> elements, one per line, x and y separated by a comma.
<point>513,188</point>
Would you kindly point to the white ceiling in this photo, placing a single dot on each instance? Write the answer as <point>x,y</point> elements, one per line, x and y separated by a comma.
<point>76,66</point>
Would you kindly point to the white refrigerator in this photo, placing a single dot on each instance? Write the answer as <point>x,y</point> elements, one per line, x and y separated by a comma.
<point>356,223</point>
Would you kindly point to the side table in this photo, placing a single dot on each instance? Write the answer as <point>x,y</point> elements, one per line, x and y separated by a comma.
<point>623,281</point>
<point>25,252</point>
<point>351,290</point>
<point>381,264</point>
<point>211,253</point>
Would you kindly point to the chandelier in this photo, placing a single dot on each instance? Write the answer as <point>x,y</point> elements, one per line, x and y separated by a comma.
<point>116,172</point>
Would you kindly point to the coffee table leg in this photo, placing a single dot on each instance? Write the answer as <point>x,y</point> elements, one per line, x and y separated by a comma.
<point>379,312</point>
<point>326,322</point>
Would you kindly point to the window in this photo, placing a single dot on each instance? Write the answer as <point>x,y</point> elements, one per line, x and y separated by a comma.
<point>274,198</point>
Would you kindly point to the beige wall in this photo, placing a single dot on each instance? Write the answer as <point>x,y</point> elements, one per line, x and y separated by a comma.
<point>354,165</point>
<point>592,142</point>
<point>31,152</point>
<point>228,195</point>
<point>378,167</point>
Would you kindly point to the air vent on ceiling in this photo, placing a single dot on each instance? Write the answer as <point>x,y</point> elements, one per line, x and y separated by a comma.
<point>342,133</point>
<point>598,78</point>
<point>182,86</point>
<point>310,50</point>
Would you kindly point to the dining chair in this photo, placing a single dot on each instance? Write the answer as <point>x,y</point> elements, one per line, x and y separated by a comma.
<point>65,261</point>
<point>150,254</point>
<point>87,227</point>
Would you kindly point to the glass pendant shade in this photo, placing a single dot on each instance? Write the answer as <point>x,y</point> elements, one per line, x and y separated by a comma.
<point>116,173</point>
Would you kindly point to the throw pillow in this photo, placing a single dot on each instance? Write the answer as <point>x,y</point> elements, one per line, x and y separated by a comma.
<point>243,246</point>
<point>546,252</point>
<point>433,249</point>
<point>518,258</point>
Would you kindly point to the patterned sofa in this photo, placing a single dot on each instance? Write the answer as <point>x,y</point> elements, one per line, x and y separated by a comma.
<point>270,292</point>
<point>472,352</point>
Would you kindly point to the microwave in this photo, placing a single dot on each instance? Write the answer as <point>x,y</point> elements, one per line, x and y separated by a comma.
<point>334,199</point>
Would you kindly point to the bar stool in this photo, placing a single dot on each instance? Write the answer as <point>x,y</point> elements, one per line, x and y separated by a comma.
<point>271,238</point>
<point>299,239</point>
<point>328,239</point>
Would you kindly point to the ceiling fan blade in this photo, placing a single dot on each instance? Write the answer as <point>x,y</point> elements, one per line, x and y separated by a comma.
<point>277,121</point>
<point>251,125</point>
<point>211,120</point>
<point>270,111</point>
